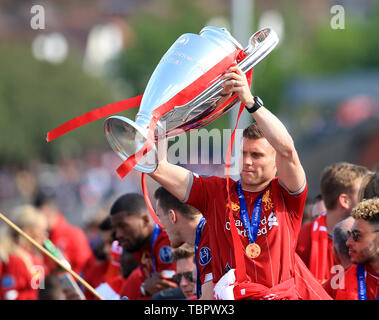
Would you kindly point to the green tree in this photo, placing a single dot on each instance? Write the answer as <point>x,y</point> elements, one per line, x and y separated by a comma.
<point>154,34</point>
<point>36,97</point>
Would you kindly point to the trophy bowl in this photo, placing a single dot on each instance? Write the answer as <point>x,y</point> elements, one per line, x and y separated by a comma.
<point>190,57</point>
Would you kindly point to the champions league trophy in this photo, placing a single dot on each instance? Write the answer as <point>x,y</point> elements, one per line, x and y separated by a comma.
<point>190,57</point>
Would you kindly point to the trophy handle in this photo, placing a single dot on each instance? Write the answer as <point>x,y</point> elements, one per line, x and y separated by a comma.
<point>126,138</point>
<point>260,45</point>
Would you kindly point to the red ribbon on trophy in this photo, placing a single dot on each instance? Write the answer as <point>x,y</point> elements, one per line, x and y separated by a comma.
<point>181,98</point>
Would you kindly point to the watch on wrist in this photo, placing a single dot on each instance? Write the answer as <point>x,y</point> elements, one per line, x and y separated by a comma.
<point>257,104</point>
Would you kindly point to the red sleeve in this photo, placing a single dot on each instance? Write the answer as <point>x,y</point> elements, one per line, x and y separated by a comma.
<point>295,202</point>
<point>163,253</point>
<point>349,289</point>
<point>201,189</point>
<point>303,248</point>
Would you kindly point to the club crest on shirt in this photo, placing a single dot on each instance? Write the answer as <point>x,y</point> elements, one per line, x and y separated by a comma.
<point>204,256</point>
<point>235,206</point>
<point>266,201</point>
<point>165,254</point>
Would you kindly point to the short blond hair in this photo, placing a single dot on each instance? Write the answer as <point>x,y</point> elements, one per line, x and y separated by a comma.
<point>28,216</point>
<point>24,216</point>
<point>337,179</point>
<point>367,210</point>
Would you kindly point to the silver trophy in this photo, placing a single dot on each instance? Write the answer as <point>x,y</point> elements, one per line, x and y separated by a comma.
<point>188,58</point>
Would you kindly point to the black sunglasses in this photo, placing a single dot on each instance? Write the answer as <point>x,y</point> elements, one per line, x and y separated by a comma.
<point>187,275</point>
<point>355,234</point>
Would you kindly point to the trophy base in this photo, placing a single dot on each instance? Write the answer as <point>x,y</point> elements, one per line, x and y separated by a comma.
<point>126,138</point>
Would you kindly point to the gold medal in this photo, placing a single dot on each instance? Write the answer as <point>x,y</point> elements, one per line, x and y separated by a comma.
<point>253,250</point>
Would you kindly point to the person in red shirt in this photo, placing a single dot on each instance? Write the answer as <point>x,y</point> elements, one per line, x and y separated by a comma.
<point>339,186</point>
<point>313,208</point>
<point>185,224</point>
<point>23,268</point>
<point>113,287</point>
<point>341,234</point>
<point>136,232</point>
<point>361,280</point>
<point>258,227</point>
<point>69,239</point>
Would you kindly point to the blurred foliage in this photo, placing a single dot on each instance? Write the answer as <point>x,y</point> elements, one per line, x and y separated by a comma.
<point>154,36</point>
<point>36,97</point>
<point>341,50</point>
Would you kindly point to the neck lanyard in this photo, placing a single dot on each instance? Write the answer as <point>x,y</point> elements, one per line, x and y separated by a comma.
<point>362,293</point>
<point>154,236</point>
<point>362,290</point>
<point>199,230</point>
<point>253,225</point>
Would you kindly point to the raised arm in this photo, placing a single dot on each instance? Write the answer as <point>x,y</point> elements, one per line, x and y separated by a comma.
<point>290,172</point>
<point>173,178</point>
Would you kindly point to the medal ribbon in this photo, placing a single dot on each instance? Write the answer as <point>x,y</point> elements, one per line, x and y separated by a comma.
<point>362,293</point>
<point>157,230</point>
<point>197,241</point>
<point>253,225</point>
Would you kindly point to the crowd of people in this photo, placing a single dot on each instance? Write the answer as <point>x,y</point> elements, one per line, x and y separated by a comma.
<point>255,238</point>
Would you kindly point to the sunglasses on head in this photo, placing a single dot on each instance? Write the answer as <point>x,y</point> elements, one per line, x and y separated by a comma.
<point>187,275</point>
<point>355,234</point>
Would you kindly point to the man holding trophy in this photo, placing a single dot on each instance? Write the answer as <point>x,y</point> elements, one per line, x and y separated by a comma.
<point>269,208</point>
<point>253,222</point>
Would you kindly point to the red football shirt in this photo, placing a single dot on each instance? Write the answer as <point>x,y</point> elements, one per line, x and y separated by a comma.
<point>160,253</point>
<point>309,244</point>
<point>18,282</point>
<point>347,287</point>
<point>277,232</point>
